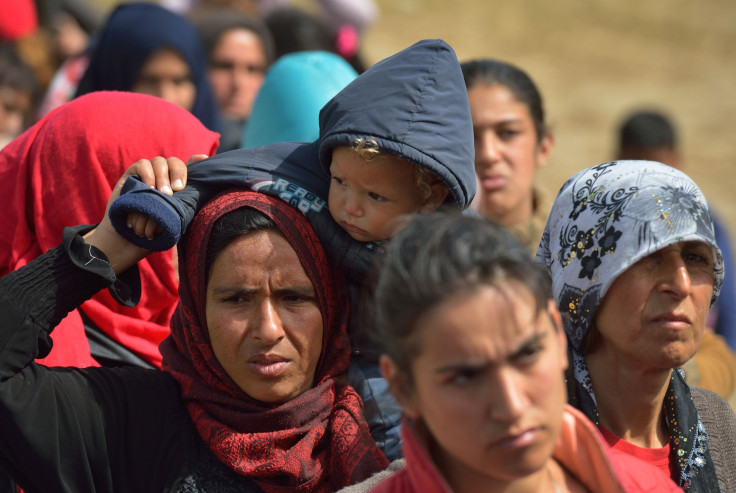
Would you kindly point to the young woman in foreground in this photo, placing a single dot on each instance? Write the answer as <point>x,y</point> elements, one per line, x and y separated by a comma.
<point>476,356</point>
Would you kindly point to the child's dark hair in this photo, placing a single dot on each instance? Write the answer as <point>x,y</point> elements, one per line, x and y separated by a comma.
<point>441,255</point>
<point>232,226</point>
<point>490,72</point>
<point>647,129</point>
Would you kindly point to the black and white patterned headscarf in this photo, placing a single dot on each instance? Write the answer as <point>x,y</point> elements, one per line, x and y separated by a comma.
<point>604,220</point>
<point>607,218</point>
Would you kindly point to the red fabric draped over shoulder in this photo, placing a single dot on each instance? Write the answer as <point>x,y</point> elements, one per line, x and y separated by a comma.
<point>318,441</point>
<point>60,173</point>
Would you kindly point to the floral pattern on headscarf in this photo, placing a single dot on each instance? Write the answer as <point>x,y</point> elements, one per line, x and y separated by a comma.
<point>607,218</point>
<point>604,220</point>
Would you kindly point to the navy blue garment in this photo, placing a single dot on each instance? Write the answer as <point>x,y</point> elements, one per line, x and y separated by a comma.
<point>725,306</point>
<point>415,105</point>
<point>132,33</point>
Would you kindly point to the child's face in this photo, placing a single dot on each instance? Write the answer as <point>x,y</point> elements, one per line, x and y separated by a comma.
<point>367,197</point>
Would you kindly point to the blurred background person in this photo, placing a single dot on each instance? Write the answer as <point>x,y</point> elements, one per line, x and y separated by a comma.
<point>295,29</point>
<point>19,92</point>
<point>240,50</point>
<point>71,24</point>
<point>296,88</point>
<point>512,141</point>
<point>342,21</point>
<point>148,49</point>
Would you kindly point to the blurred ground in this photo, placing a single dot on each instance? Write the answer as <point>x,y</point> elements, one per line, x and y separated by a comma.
<point>594,60</point>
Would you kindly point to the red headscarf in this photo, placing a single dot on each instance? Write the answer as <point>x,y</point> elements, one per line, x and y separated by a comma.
<point>18,18</point>
<point>317,441</point>
<point>60,173</point>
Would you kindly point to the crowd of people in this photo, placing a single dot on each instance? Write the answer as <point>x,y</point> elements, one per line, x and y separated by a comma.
<point>236,258</point>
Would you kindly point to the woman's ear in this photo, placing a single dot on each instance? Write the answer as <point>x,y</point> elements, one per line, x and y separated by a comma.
<point>399,386</point>
<point>436,198</point>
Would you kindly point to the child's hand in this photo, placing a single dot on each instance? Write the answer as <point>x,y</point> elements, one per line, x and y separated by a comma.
<point>167,175</point>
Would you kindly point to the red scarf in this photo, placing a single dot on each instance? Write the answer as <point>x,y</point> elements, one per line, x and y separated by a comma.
<point>60,173</point>
<point>319,440</point>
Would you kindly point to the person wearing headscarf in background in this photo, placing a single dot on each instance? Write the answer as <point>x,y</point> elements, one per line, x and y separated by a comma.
<point>60,173</point>
<point>343,22</point>
<point>251,396</point>
<point>296,88</point>
<point>512,142</point>
<point>294,29</point>
<point>71,23</point>
<point>147,49</point>
<point>19,92</point>
<point>240,50</point>
<point>635,268</point>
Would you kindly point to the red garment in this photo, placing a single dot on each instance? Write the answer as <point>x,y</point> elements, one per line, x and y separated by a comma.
<point>318,441</point>
<point>18,18</point>
<point>658,457</point>
<point>580,449</point>
<point>60,173</point>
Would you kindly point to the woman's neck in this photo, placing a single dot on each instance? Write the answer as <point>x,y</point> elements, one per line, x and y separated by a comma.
<point>630,399</point>
<point>505,217</point>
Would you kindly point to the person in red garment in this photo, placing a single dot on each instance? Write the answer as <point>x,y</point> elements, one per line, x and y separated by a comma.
<point>60,173</point>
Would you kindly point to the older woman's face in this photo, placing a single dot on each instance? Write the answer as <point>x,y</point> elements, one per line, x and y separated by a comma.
<point>488,383</point>
<point>654,314</point>
<point>263,317</point>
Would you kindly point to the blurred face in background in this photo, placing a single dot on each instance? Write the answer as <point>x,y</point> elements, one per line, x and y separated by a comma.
<point>237,69</point>
<point>69,38</point>
<point>166,75</point>
<point>508,153</point>
<point>14,106</point>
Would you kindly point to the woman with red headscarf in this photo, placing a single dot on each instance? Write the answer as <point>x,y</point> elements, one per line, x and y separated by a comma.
<point>60,173</point>
<point>252,395</point>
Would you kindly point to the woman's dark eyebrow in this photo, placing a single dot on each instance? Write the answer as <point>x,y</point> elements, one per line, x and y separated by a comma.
<point>534,339</point>
<point>305,290</point>
<point>301,290</point>
<point>462,367</point>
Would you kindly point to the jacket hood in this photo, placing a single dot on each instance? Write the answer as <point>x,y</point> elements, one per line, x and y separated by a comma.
<point>415,105</point>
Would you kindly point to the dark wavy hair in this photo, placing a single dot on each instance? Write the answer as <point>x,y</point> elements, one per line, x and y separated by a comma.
<point>443,255</point>
<point>490,72</point>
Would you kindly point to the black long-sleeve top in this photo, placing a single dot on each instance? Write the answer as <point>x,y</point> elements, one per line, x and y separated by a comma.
<point>91,429</point>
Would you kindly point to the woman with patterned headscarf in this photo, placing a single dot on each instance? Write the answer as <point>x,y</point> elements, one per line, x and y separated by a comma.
<point>635,267</point>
